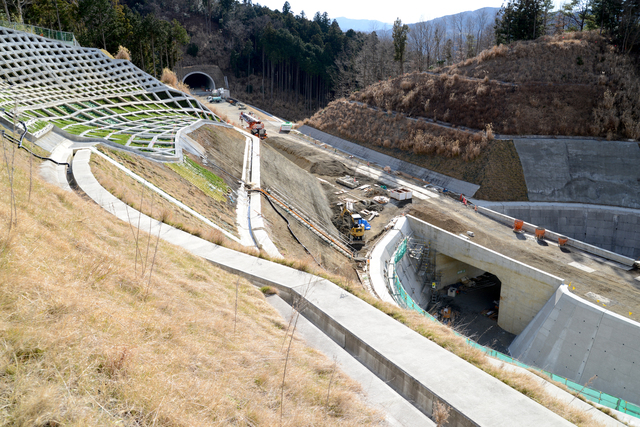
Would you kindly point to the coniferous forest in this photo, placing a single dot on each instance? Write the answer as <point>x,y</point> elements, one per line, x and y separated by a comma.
<point>307,60</point>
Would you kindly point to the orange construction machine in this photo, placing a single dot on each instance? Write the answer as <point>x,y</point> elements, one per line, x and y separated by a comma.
<point>255,125</point>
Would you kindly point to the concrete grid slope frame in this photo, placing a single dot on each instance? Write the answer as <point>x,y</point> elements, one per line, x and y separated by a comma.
<point>89,95</point>
<point>435,178</point>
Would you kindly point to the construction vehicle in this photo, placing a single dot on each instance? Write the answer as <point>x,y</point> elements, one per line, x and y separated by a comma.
<point>255,126</point>
<point>357,225</point>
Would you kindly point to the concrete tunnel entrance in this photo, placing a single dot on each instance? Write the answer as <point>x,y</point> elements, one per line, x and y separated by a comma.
<point>524,290</point>
<point>472,296</point>
<point>199,82</point>
<point>466,297</point>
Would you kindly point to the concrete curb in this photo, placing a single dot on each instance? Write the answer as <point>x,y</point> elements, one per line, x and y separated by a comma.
<point>507,220</point>
<point>391,350</point>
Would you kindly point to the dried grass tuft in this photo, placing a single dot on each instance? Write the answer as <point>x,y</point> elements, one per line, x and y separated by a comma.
<point>123,53</point>
<point>169,78</point>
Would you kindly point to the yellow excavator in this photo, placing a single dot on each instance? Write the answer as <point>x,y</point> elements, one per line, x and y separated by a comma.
<point>357,224</point>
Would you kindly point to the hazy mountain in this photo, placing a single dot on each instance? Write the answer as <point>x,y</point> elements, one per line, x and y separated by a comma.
<point>367,25</point>
<point>471,14</point>
<point>364,25</point>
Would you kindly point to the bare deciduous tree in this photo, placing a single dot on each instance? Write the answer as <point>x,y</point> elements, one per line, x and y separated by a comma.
<point>421,44</point>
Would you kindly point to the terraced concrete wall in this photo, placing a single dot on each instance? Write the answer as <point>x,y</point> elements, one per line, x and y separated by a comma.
<point>525,290</point>
<point>578,340</point>
<point>614,229</point>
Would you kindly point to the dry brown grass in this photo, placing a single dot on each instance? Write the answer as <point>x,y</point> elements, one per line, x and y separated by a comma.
<point>382,129</point>
<point>570,84</point>
<point>123,53</point>
<point>125,188</point>
<point>473,157</point>
<point>170,79</point>
<point>82,345</point>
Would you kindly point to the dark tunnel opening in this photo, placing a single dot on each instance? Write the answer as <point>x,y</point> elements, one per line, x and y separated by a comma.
<point>199,82</point>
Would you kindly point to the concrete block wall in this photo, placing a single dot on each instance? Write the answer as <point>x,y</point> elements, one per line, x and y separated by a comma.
<point>576,339</point>
<point>525,289</point>
<point>610,228</point>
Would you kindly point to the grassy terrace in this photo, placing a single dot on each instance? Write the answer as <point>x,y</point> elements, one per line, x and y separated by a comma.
<point>212,185</point>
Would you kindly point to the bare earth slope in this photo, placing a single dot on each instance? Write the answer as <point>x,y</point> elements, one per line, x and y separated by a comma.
<point>492,164</point>
<point>571,84</point>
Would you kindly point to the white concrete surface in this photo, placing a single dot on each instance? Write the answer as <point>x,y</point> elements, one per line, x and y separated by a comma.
<point>577,339</point>
<point>610,228</point>
<point>379,258</point>
<point>392,351</point>
<point>57,174</point>
<point>554,235</point>
<point>398,412</point>
<point>524,290</point>
<point>408,278</point>
<point>581,171</point>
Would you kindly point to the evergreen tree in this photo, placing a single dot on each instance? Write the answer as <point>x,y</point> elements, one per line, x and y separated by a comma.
<point>400,33</point>
<point>520,20</point>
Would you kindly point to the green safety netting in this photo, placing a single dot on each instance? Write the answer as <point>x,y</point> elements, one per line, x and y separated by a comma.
<point>604,399</point>
<point>62,36</point>
<point>402,249</point>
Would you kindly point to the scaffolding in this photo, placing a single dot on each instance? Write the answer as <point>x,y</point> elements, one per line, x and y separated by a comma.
<point>423,259</point>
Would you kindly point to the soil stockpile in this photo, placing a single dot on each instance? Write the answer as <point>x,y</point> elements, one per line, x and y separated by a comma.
<point>308,159</point>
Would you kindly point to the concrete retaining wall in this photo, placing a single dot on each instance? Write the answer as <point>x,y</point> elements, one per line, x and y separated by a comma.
<point>581,171</point>
<point>610,228</point>
<point>508,220</point>
<point>576,339</point>
<point>525,289</point>
<point>373,156</point>
<point>380,256</point>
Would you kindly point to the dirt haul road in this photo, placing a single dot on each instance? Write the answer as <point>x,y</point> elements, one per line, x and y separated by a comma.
<point>617,285</point>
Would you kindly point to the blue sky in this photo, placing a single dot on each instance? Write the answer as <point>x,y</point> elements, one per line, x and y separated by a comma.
<point>409,11</point>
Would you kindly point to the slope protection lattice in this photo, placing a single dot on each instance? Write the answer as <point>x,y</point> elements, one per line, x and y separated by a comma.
<point>84,92</point>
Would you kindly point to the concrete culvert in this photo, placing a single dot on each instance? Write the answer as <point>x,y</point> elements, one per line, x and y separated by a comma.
<point>199,81</point>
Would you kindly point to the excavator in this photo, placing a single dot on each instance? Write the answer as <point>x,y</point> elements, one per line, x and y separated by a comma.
<point>357,224</point>
<point>255,126</point>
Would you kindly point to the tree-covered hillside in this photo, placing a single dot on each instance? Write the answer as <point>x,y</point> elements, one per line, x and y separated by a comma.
<point>296,63</point>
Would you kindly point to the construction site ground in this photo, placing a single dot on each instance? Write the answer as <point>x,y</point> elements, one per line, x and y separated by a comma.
<point>595,279</point>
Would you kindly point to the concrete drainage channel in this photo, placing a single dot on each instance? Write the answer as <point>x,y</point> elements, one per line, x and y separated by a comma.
<point>393,352</point>
<point>388,364</point>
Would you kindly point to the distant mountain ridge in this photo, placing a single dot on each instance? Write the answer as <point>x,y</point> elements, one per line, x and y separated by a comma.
<point>368,25</point>
<point>363,25</point>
